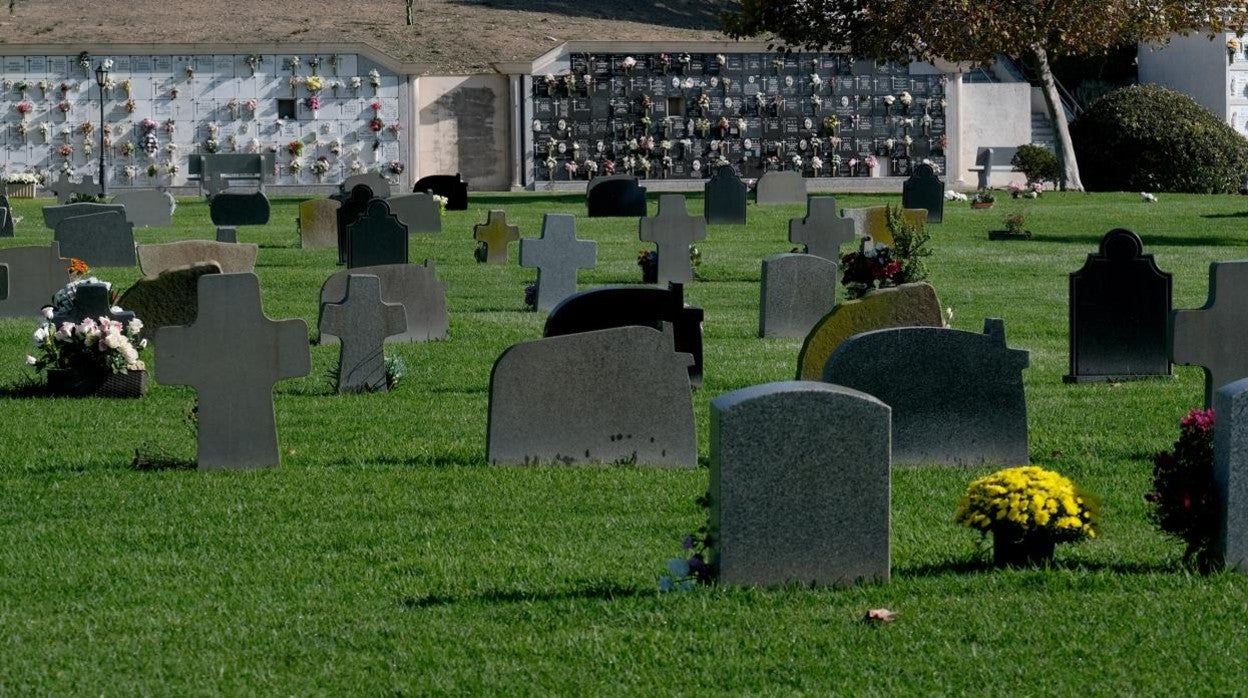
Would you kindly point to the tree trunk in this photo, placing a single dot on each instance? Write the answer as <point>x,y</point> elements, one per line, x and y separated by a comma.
<point>1065,149</point>
<point>409,12</point>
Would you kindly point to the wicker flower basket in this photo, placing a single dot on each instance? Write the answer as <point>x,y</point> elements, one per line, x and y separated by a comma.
<point>71,383</point>
<point>22,191</point>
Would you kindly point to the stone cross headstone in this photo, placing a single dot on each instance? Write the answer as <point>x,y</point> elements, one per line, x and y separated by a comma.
<point>91,300</point>
<point>780,187</point>
<point>171,298</point>
<point>822,231</point>
<point>377,237</point>
<point>99,239</point>
<point>35,275</point>
<point>318,223</point>
<point>610,396</point>
<point>353,207</point>
<point>957,396</point>
<point>147,208</point>
<point>65,189</point>
<point>413,286</point>
<point>232,258</point>
<point>53,215</point>
<point>797,291</point>
<point>872,221</point>
<point>673,230</point>
<point>453,187</point>
<point>496,235</point>
<point>362,322</point>
<point>615,196</point>
<point>419,212</point>
<point>724,198</point>
<point>377,185</point>
<point>1230,473</point>
<point>800,484</point>
<point>236,208</point>
<point>925,190</point>
<point>1214,336</point>
<point>557,255</point>
<point>1119,310</point>
<point>233,355</point>
<point>6,217</point>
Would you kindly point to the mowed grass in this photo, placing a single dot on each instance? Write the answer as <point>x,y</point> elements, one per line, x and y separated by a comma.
<point>386,557</point>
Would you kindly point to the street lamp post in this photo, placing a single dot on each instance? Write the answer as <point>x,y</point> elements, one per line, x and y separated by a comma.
<point>101,77</point>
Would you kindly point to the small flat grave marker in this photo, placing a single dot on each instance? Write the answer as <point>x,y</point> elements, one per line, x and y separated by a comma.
<point>497,235</point>
<point>362,322</point>
<point>673,230</point>
<point>99,239</point>
<point>1214,336</point>
<point>557,255</point>
<point>822,231</point>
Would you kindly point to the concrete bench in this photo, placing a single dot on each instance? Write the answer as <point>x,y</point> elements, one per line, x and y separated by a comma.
<point>988,159</point>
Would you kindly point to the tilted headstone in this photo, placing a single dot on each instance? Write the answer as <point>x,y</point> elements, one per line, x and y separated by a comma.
<point>318,223</point>
<point>233,355</point>
<point>798,290</point>
<point>800,485</point>
<point>7,223</point>
<point>147,208</point>
<point>497,235</point>
<point>557,255</point>
<point>673,230</point>
<point>822,231</point>
<point>53,215</point>
<point>65,190</point>
<point>352,208</point>
<point>91,300</point>
<point>453,187</point>
<point>724,197</point>
<point>377,237</point>
<point>414,286</point>
<point>1119,309</point>
<point>236,208</point>
<point>611,396</point>
<point>615,196</point>
<point>908,305</point>
<point>232,258</point>
<point>780,187</point>
<point>419,212</point>
<point>378,185</point>
<point>1230,473</point>
<point>620,306</point>
<point>872,221</point>
<point>925,190</point>
<point>99,239</point>
<point>362,321</point>
<point>1214,336</point>
<point>957,396</point>
<point>171,298</point>
<point>35,275</point>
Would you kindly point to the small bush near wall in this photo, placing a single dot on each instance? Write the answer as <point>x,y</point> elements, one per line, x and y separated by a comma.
<point>1149,138</point>
<point>1038,163</point>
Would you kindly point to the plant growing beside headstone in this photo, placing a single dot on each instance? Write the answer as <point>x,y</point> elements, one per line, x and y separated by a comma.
<point>877,265</point>
<point>1183,497</point>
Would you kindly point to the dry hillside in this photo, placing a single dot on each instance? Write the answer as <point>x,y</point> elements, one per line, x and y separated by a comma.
<point>447,37</point>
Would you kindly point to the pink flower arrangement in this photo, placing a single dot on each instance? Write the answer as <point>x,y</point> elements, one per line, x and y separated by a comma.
<point>313,102</point>
<point>63,107</point>
<point>394,129</point>
<point>251,106</point>
<point>147,125</point>
<point>65,150</point>
<point>376,106</point>
<point>24,108</point>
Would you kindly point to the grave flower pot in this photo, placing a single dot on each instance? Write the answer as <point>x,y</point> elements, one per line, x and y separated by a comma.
<point>982,204</point>
<point>22,191</point>
<point>77,383</point>
<point>1007,235</point>
<point>1015,550</point>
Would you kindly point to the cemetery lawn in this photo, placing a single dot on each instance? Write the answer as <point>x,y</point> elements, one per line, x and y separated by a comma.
<point>385,556</point>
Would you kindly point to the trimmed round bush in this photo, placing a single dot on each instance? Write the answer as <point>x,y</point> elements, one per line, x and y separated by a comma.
<point>1038,163</point>
<point>1149,138</point>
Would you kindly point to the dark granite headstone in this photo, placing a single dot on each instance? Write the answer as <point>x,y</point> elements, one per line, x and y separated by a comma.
<point>35,274</point>
<point>376,184</point>
<point>619,306</point>
<point>1119,309</point>
<point>6,217</point>
<point>615,196</point>
<point>231,208</point>
<point>352,208</point>
<point>99,239</point>
<point>454,188</point>
<point>1214,336</point>
<point>91,300</point>
<point>673,230</point>
<point>925,190</point>
<point>169,299</point>
<point>724,198</point>
<point>419,212</point>
<point>376,238</point>
<point>53,215</point>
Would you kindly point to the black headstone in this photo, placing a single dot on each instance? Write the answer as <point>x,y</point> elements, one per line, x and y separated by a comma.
<point>352,208</point>
<point>90,300</point>
<point>1119,307</point>
<point>725,196</point>
<point>618,196</point>
<point>377,237</point>
<point>454,188</point>
<point>924,190</point>
<point>234,208</point>
<point>6,213</point>
<point>622,306</point>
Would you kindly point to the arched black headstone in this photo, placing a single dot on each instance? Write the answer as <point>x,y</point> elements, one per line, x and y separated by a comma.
<point>724,197</point>
<point>924,190</point>
<point>352,208</point>
<point>616,196</point>
<point>1119,308</point>
<point>229,208</point>
<point>454,188</point>
<point>377,237</point>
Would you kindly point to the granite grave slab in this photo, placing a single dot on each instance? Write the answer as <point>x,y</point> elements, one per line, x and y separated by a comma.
<point>379,186</point>
<point>7,222</point>
<point>453,187</point>
<point>673,230</point>
<point>780,187</point>
<point>497,235</point>
<point>233,258</point>
<point>1214,336</point>
<point>924,190</point>
<point>99,239</point>
<point>35,274</point>
<point>362,321</point>
<point>798,290</point>
<point>1230,473</point>
<point>318,223</point>
<point>872,221</point>
<point>615,196</point>
<point>414,286</point>
<point>822,231</point>
<point>557,255</point>
<point>238,208</point>
<point>66,190</point>
<point>91,300</point>
<point>419,212</point>
<point>724,197</point>
<point>147,208</point>
<point>377,237</point>
<point>351,210</point>
<point>53,215</point>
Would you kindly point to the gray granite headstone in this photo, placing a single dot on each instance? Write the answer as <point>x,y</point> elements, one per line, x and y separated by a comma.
<point>377,237</point>
<point>233,355</point>
<point>925,190</point>
<point>379,185</point>
<point>171,298</point>
<point>232,258</point>
<point>780,187</point>
<point>557,255</point>
<point>237,208</point>
<point>147,208</point>
<point>797,291</point>
<point>227,233</point>
<point>957,396</point>
<point>822,231</point>
<point>53,215</point>
<point>1214,336</point>
<point>35,275</point>
<point>419,212</point>
<point>800,485</point>
<point>1230,472</point>
<point>610,396</point>
<point>414,286</point>
<point>497,235</point>
<point>7,222</point>
<point>318,223</point>
<point>673,230</point>
<point>363,322</point>
<point>724,198</point>
<point>99,239</point>
<point>91,300</point>
<point>65,190</point>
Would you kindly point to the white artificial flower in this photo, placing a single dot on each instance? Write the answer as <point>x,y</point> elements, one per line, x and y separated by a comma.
<point>135,326</point>
<point>41,334</point>
<point>30,360</point>
<point>47,311</point>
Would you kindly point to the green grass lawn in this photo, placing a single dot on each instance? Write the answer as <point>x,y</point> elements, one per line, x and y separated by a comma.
<point>386,557</point>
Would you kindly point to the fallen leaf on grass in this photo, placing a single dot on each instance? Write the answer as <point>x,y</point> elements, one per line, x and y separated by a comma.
<point>880,615</point>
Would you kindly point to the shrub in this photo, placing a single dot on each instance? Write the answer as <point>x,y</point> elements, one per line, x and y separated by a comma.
<point>1038,163</point>
<point>1149,138</point>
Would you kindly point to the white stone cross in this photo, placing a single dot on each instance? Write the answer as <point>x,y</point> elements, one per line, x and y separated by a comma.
<point>557,255</point>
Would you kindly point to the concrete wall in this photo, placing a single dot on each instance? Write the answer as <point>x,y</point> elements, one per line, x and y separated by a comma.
<point>989,115</point>
<point>1198,68</point>
<point>464,127</point>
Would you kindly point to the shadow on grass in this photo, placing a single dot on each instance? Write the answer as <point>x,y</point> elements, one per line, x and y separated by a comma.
<point>1237,214</point>
<point>983,564</point>
<point>593,592</point>
<point>25,389</point>
<point>1150,241</point>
